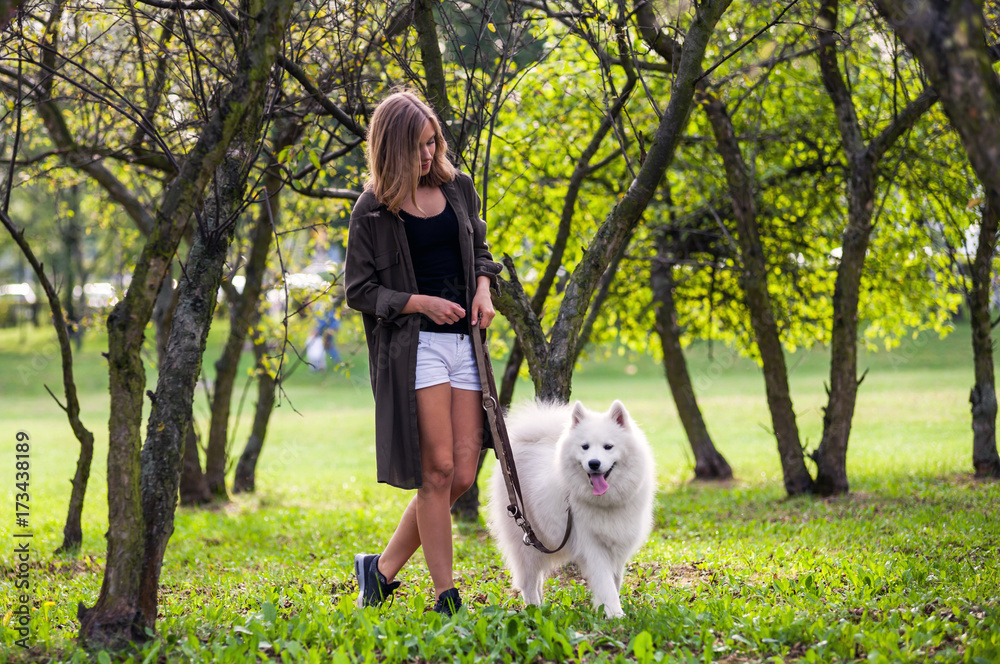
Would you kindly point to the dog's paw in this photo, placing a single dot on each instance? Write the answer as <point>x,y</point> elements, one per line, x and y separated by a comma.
<point>613,610</point>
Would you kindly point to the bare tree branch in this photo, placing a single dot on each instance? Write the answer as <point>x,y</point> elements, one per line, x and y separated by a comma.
<point>302,77</point>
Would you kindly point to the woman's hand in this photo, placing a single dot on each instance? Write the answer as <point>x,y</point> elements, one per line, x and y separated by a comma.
<point>482,304</point>
<point>438,309</point>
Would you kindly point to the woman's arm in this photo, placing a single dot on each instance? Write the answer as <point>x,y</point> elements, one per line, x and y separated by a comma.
<point>482,303</point>
<point>438,309</point>
<point>362,288</point>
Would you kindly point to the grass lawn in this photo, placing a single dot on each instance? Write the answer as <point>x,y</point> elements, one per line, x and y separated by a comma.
<point>903,569</point>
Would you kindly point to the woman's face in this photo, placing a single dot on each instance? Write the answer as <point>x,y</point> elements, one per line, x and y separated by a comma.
<point>427,147</point>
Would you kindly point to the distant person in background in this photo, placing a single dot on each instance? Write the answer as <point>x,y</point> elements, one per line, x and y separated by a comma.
<point>327,330</point>
<point>419,271</point>
<point>315,351</point>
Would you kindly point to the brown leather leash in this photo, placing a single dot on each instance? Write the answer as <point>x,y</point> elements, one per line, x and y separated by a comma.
<point>501,447</point>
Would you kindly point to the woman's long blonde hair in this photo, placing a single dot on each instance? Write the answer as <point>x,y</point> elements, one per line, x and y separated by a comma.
<point>393,150</point>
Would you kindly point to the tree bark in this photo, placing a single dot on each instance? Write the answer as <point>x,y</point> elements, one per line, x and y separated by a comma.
<point>245,480</point>
<point>243,316</point>
<point>709,464</point>
<point>754,282</point>
<point>948,41</point>
<point>72,272</point>
<point>170,416</point>
<point>862,161</point>
<point>73,530</point>
<point>511,370</point>
<point>984,395</point>
<point>193,486</point>
<point>118,616</point>
<point>430,57</point>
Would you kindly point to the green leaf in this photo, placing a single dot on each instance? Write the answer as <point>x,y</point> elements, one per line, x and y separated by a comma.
<point>642,647</point>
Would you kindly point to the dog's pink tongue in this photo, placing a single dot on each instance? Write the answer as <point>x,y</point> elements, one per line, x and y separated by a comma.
<point>599,483</point>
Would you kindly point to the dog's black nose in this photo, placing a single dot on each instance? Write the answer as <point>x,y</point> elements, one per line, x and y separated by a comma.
<point>594,464</point>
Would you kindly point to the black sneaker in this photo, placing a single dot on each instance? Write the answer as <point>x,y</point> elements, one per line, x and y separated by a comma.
<point>373,589</point>
<point>448,603</point>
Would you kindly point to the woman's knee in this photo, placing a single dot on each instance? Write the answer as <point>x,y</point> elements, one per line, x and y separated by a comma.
<point>463,482</point>
<point>439,477</point>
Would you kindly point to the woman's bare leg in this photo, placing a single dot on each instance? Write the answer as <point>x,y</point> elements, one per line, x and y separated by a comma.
<point>466,417</point>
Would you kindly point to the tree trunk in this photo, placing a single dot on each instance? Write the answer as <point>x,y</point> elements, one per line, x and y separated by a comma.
<point>246,469</point>
<point>862,161</point>
<point>508,381</point>
<point>243,316</point>
<point>466,508</point>
<point>170,415</point>
<point>73,530</point>
<point>984,396</point>
<point>430,58</point>
<point>109,621</point>
<point>170,418</point>
<point>118,615</point>
<point>70,232</point>
<point>193,487</point>
<point>709,464</point>
<point>754,282</point>
<point>948,41</point>
<point>163,314</point>
<point>831,455</point>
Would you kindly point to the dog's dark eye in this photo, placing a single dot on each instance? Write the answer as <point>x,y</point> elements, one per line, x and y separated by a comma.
<point>608,446</point>
<point>586,447</point>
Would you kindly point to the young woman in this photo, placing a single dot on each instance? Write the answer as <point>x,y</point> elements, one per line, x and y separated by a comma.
<point>419,271</point>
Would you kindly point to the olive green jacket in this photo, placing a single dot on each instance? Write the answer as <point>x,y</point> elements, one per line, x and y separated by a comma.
<point>379,280</point>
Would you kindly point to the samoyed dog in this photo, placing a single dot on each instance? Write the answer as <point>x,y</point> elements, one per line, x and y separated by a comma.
<point>600,467</point>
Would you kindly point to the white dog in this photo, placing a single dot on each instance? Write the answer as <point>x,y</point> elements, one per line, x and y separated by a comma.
<point>599,465</point>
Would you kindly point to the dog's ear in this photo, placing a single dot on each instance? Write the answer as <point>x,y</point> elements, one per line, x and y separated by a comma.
<point>579,412</point>
<point>619,414</point>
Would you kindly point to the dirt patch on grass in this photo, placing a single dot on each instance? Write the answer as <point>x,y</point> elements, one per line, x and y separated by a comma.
<point>61,568</point>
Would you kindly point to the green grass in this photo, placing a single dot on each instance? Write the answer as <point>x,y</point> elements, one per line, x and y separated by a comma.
<point>903,569</point>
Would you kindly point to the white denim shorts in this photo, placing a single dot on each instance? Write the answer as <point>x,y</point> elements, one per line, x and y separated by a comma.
<point>444,357</point>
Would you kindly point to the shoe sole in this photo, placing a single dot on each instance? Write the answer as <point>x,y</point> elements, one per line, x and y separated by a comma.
<point>359,574</point>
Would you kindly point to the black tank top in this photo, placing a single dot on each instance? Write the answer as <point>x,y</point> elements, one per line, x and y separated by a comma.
<point>437,262</point>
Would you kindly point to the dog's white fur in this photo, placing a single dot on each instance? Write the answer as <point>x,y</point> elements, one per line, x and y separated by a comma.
<point>556,447</point>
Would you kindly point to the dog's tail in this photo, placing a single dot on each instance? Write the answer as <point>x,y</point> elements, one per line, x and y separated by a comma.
<point>537,421</point>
